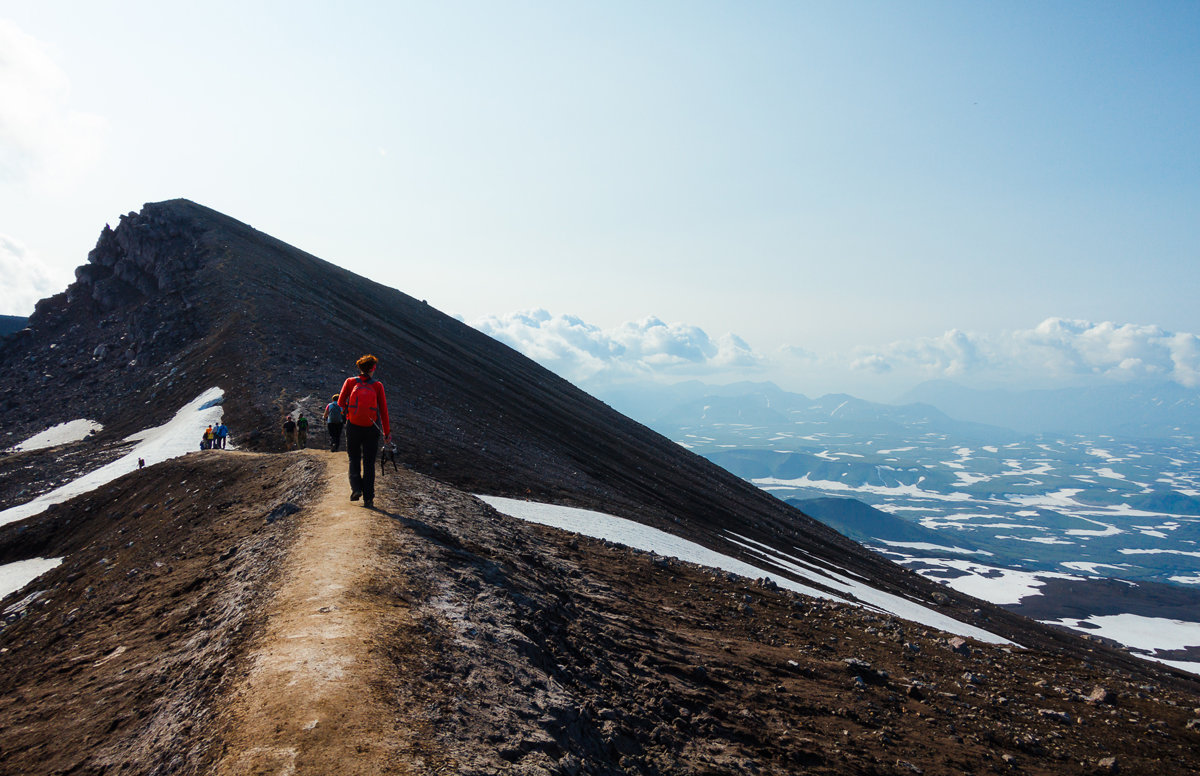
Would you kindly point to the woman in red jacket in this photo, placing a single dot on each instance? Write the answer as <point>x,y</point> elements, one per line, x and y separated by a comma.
<point>364,406</point>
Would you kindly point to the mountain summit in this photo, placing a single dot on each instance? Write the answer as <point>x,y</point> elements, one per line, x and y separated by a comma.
<point>231,612</point>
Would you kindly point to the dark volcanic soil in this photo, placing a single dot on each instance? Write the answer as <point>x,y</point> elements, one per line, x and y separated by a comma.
<point>534,651</point>
<point>110,662</point>
<point>568,654</point>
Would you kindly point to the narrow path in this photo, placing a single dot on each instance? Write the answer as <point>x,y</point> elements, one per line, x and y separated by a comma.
<point>314,699</point>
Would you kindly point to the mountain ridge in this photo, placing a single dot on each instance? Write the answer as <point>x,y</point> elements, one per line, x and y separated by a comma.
<point>622,653</point>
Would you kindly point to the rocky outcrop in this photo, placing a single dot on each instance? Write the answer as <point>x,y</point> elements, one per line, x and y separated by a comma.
<point>149,253</point>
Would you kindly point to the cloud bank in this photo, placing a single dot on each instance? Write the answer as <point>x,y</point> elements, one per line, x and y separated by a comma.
<point>1056,349</point>
<point>42,139</point>
<point>649,348</point>
<point>24,279</point>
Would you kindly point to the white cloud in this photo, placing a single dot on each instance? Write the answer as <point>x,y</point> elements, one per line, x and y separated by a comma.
<point>1057,348</point>
<point>24,279</point>
<point>42,139</point>
<point>581,351</point>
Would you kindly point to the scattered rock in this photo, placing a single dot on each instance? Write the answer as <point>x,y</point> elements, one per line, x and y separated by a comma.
<point>1055,715</point>
<point>959,644</point>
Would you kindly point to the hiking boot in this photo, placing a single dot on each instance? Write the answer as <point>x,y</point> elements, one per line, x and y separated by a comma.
<point>354,494</point>
<point>369,503</point>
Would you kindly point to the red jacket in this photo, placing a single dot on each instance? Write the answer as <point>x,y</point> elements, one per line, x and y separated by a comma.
<point>380,399</point>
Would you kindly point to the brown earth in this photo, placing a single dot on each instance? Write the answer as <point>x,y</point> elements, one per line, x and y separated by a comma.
<point>314,697</point>
<point>235,613</point>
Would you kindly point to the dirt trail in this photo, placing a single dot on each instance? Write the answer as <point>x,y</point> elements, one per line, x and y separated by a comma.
<point>314,699</point>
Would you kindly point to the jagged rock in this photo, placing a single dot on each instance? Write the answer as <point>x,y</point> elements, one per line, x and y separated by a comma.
<point>1100,695</point>
<point>959,644</point>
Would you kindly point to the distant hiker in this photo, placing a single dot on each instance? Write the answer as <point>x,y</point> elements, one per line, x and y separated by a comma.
<point>209,437</point>
<point>289,432</point>
<point>141,463</point>
<point>222,434</point>
<point>334,418</point>
<point>302,428</point>
<point>363,401</point>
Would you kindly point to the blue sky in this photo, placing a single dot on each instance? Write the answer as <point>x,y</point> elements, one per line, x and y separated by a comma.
<point>836,196</point>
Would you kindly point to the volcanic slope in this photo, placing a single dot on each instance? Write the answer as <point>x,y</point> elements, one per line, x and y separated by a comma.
<point>283,629</point>
<point>491,645</point>
<point>179,298</point>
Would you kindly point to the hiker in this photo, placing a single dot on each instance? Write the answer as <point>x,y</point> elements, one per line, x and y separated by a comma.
<point>302,428</point>
<point>289,432</point>
<point>222,434</point>
<point>364,404</point>
<point>209,436</point>
<point>334,418</point>
<point>141,463</point>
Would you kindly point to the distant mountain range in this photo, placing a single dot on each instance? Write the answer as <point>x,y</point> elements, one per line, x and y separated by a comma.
<point>1139,410</point>
<point>1154,410</point>
<point>671,408</point>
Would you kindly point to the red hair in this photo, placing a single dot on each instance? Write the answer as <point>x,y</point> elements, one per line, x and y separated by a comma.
<point>367,363</point>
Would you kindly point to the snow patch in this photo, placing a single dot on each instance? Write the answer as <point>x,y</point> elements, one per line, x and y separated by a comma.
<point>1088,567</point>
<point>1138,632</point>
<point>1159,552</point>
<point>909,491</point>
<point>62,434</point>
<point>616,529</point>
<point>14,576</point>
<point>934,547</point>
<point>178,436</point>
<point>991,583</point>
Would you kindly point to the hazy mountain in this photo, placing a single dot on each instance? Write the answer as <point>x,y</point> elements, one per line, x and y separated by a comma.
<point>864,523</point>
<point>671,409</point>
<point>186,629</point>
<point>1134,409</point>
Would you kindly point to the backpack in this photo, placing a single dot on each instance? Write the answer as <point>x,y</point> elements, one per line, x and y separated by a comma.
<point>302,424</point>
<point>335,413</point>
<point>363,405</point>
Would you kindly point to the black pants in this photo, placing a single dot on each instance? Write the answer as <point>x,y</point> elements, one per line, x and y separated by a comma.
<point>362,443</point>
<point>335,436</point>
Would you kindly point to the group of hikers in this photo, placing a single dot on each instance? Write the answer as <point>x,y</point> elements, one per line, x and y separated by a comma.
<point>360,409</point>
<point>295,432</point>
<point>214,437</point>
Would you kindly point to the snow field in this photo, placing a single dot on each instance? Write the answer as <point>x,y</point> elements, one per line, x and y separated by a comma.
<point>63,433</point>
<point>14,576</point>
<point>1145,635</point>
<point>616,529</point>
<point>178,436</point>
